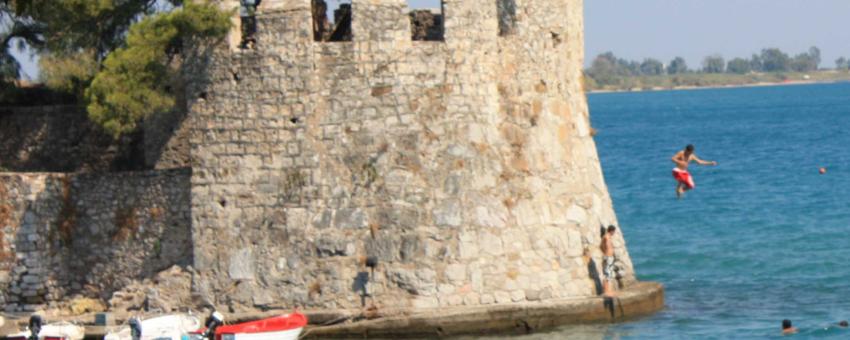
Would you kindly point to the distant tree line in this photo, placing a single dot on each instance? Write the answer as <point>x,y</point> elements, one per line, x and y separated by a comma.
<point>608,69</point>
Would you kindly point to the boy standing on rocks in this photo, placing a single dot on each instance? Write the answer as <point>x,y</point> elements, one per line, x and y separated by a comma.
<point>608,268</point>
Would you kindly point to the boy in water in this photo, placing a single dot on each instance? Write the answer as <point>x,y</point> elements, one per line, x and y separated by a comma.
<point>608,268</point>
<point>787,328</point>
<point>683,178</point>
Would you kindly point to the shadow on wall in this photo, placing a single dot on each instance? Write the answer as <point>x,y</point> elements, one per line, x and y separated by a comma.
<point>62,139</point>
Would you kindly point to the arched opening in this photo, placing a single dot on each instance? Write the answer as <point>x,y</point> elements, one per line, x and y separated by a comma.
<point>426,20</point>
<point>332,20</point>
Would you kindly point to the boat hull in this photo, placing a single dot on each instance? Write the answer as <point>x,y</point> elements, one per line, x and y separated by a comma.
<point>61,331</point>
<point>291,334</point>
<point>172,327</point>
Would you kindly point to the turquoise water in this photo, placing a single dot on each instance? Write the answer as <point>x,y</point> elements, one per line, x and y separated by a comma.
<point>762,238</point>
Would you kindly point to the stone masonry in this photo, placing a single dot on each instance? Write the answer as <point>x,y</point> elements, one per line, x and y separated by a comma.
<point>397,173</point>
<point>88,234</point>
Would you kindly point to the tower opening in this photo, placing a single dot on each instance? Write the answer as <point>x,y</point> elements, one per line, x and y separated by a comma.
<point>247,15</point>
<point>427,20</point>
<point>506,10</point>
<point>332,20</point>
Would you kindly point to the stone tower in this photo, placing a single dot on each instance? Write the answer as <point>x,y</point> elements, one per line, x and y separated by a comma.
<point>405,174</point>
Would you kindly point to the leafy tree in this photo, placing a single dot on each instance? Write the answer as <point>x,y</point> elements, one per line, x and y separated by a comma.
<point>607,69</point>
<point>68,73</point>
<point>713,64</point>
<point>774,60</point>
<point>652,67</point>
<point>136,79</point>
<point>814,57</point>
<point>756,63</point>
<point>739,66</point>
<point>677,66</point>
<point>99,25</point>
<point>15,33</point>
<point>841,63</point>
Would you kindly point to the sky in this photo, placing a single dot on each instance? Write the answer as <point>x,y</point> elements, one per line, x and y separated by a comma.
<point>694,29</point>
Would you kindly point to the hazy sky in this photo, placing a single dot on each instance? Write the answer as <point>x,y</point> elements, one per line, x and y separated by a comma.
<point>693,29</point>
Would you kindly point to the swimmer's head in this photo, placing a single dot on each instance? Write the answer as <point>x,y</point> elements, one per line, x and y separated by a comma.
<point>843,323</point>
<point>689,148</point>
<point>786,324</point>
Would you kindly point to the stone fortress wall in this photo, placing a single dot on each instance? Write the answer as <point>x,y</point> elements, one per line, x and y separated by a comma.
<point>404,174</point>
<point>63,235</point>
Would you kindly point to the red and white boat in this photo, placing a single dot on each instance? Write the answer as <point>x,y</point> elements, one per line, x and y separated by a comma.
<point>282,327</point>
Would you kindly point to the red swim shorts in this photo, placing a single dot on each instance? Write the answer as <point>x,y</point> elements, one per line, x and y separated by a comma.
<point>683,176</point>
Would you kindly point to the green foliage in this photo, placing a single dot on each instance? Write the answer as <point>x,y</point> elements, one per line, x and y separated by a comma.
<point>134,82</point>
<point>677,66</point>
<point>841,63</point>
<point>68,73</point>
<point>651,67</point>
<point>713,64</point>
<point>739,66</point>
<point>774,60</point>
<point>97,25</point>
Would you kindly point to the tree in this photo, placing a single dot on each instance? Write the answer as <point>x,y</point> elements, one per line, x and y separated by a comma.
<point>739,66</point>
<point>841,63</point>
<point>774,60</point>
<point>136,79</point>
<point>814,57</point>
<point>714,64</point>
<point>15,33</point>
<point>677,66</point>
<point>651,67</point>
<point>756,63</point>
<point>802,63</point>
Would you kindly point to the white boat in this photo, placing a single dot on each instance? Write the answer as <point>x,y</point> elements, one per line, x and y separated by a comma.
<point>54,331</point>
<point>168,327</point>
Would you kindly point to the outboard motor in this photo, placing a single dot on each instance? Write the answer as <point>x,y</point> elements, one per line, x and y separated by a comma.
<point>135,328</point>
<point>213,321</point>
<point>35,326</point>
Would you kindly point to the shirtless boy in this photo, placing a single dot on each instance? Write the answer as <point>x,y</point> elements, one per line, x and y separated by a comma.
<point>607,246</point>
<point>683,178</point>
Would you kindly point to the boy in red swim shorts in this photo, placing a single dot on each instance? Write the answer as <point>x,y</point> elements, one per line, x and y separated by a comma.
<point>684,181</point>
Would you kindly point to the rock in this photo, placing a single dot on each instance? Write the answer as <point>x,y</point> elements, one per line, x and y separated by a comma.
<point>82,305</point>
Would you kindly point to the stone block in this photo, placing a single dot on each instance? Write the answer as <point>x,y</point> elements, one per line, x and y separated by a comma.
<point>242,265</point>
<point>448,214</point>
<point>490,244</point>
<point>350,219</point>
<point>456,273</point>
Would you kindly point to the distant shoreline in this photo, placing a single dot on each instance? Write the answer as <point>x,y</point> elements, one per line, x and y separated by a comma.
<point>730,86</point>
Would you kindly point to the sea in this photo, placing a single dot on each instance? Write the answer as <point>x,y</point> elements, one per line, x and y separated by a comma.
<point>763,237</point>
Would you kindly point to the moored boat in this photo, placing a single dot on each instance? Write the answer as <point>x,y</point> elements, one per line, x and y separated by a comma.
<point>167,327</point>
<point>53,331</point>
<point>281,327</point>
